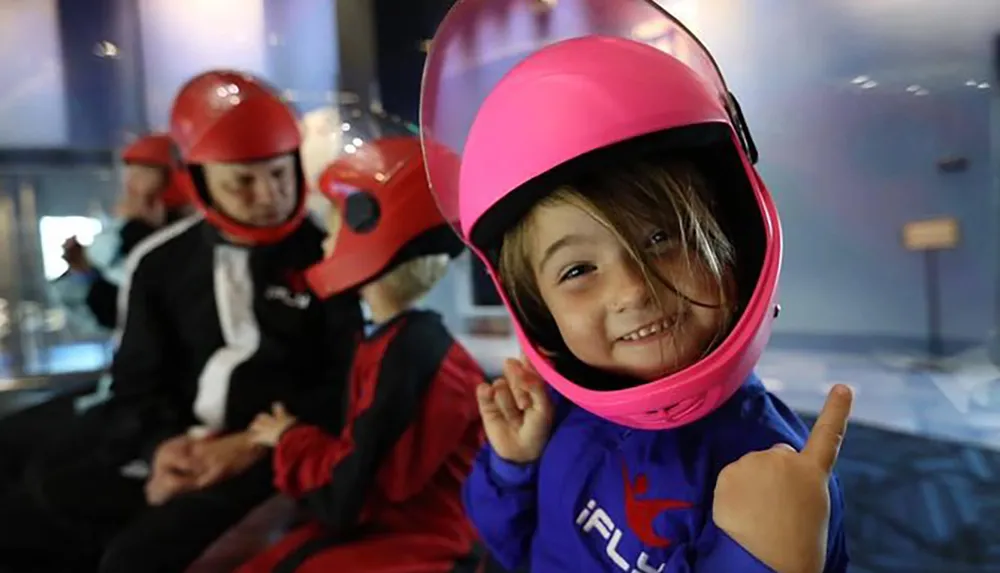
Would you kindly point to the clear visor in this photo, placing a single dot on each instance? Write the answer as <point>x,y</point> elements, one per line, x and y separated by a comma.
<point>347,128</point>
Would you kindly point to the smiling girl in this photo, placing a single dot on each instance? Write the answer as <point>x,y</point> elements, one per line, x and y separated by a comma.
<point>609,188</point>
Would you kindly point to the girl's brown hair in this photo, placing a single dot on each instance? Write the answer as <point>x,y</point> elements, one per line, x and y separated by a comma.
<point>672,197</point>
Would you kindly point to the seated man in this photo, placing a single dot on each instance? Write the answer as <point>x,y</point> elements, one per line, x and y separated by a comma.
<point>384,493</point>
<point>217,325</point>
<point>154,195</point>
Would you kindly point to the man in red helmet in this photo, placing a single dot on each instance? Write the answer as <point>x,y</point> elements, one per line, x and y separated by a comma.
<point>154,195</point>
<point>217,323</point>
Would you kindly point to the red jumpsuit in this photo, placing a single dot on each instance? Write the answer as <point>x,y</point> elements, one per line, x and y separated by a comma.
<point>386,493</point>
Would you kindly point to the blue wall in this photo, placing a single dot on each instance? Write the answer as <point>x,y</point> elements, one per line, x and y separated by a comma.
<point>303,57</point>
<point>91,81</point>
<point>33,100</point>
<point>849,166</point>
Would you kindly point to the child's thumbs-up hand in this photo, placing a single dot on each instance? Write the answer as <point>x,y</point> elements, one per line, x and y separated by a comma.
<point>517,413</point>
<point>776,503</point>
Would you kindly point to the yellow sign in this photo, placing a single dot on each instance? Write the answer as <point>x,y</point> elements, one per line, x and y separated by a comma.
<point>931,234</point>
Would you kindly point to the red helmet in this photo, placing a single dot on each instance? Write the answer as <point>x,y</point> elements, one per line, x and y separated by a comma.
<point>388,215</point>
<point>157,149</point>
<point>181,191</point>
<point>154,149</point>
<point>232,117</point>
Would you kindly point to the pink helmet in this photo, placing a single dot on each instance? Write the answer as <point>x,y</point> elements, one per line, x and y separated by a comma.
<point>597,79</point>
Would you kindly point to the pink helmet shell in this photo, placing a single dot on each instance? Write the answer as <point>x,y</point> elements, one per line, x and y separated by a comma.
<point>585,94</point>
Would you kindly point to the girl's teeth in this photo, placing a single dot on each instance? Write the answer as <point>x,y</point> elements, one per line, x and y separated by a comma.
<point>647,331</point>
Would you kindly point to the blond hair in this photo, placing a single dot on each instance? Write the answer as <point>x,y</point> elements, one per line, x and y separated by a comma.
<point>672,197</point>
<point>410,281</point>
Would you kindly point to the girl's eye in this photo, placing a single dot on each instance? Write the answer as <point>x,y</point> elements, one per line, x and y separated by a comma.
<point>657,238</point>
<point>575,271</point>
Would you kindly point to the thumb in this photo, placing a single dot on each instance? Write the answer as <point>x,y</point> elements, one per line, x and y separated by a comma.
<point>279,411</point>
<point>827,434</point>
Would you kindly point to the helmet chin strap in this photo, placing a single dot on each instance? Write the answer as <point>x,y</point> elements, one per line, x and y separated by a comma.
<point>242,234</point>
<point>235,239</point>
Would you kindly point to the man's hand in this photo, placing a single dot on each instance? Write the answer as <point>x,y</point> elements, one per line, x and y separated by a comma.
<point>225,457</point>
<point>267,429</point>
<point>776,503</point>
<point>75,256</point>
<point>175,470</point>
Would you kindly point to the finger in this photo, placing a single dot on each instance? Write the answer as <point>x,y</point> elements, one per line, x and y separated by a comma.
<point>279,411</point>
<point>514,375</point>
<point>484,395</point>
<point>522,399</point>
<point>179,464</point>
<point>523,381</point>
<point>197,449</point>
<point>512,372</point>
<point>210,475</point>
<point>827,434</point>
<point>259,437</point>
<point>200,458</point>
<point>538,392</point>
<point>489,410</point>
<point>168,486</point>
<point>505,403</point>
<point>186,444</point>
<point>170,482</point>
<point>257,427</point>
<point>783,448</point>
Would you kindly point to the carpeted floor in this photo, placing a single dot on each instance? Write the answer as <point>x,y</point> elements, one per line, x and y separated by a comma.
<point>917,505</point>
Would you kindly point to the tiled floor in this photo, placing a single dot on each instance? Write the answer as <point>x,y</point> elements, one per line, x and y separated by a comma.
<point>960,402</point>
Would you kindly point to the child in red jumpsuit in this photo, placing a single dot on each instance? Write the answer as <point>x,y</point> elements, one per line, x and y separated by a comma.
<point>385,495</point>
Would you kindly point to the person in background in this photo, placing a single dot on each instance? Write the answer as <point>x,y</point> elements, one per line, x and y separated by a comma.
<point>217,323</point>
<point>155,194</point>
<point>608,185</point>
<point>385,492</point>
